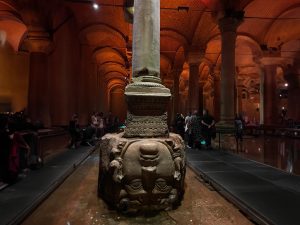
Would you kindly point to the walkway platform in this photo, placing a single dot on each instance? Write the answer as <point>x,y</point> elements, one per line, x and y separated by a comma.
<point>267,195</point>
<point>18,200</point>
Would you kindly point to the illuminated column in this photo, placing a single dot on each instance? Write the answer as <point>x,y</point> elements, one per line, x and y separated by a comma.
<point>228,27</point>
<point>169,83</point>
<point>239,105</point>
<point>102,91</point>
<point>175,97</point>
<point>146,40</point>
<point>269,90</point>
<point>194,58</point>
<point>261,94</point>
<point>217,96</point>
<point>38,44</point>
<point>146,97</point>
<point>83,91</point>
<point>201,103</point>
<point>293,79</point>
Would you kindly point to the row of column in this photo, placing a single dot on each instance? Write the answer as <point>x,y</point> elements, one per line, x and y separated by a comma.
<point>38,90</point>
<point>225,89</point>
<point>53,98</point>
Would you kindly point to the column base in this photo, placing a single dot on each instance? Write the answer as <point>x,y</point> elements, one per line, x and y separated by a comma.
<point>141,174</point>
<point>147,105</point>
<point>226,125</point>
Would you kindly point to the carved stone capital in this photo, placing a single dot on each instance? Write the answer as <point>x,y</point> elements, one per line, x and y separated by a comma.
<point>269,61</point>
<point>38,41</point>
<point>195,56</point>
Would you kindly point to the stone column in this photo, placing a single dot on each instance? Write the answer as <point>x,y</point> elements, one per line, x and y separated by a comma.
<point>145,152</point>
<point>269,90</point>
<point>239,104</point>
<point>146,40</point>
<point>194,58</point>
<point>194,87</point>
<point>170,85</point>
<point>201,104</point>
<point>38,44</point>
<point>102,91</point>
<point>83,91</point>
<point>146,97</point>
<point>261,95</point>
<point>217,89</point>
<point>228,27</point>
<point>293,78</point>
<point>175,100</point>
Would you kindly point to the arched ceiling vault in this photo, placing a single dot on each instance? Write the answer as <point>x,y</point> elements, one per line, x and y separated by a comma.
<point>165,64</point>
<point>108,32</point>
<point>114,83</point>
<point>284,28</point>
<point>103,35</point>
<point>107,54</point>
<point>12,28</point>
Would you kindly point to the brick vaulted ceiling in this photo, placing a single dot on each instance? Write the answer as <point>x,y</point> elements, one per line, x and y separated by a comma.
<point>185,25</point>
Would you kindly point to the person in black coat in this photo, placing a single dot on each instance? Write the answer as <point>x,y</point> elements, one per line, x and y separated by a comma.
<point>207,127</point>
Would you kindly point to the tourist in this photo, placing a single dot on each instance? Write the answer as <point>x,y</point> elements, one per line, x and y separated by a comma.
<point>188,130</point>
<point>179,124</point>
<point>239,127</point>
<point>196,135</point>
<point>74,131</point>
<point>207,127</point>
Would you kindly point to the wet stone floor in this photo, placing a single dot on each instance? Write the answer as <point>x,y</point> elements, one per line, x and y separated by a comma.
<point>75,202</point>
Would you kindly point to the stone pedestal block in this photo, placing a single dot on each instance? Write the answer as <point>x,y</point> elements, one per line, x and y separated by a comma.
<point>141,174</point>
<point>147,105</point>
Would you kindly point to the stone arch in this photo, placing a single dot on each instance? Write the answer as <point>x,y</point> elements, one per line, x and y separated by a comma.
<point>107,54</point>
<point>110,75</point>
<point>116,99</point>
<point>165,64</point>
<point>12,29</point>
<point>111,67</point>
<point>103,35</point>
<point>172,33</point>
<point>204,71</point>
<point>285,30</point>
<point>213,49</point>
<point>179,58</point>
<point>250,42</point>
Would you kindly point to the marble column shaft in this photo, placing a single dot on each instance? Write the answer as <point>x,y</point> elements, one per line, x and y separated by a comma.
<point>147,99</point>
<point>228,28</point>
<point>217,88</point>
<point>270,97</point>
<point>293,79</point>
<point>175,100</point>
<point>38,96</point>
<point>146,38</point>
<point>193,87</point>
<point>201,85</point>
<point>261,94</point>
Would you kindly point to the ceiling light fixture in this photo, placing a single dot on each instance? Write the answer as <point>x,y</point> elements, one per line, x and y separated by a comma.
<point>95,6</point>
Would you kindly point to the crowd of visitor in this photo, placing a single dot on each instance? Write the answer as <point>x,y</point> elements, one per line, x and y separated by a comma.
<point>18,146</point>
<point>19,141</point>
<point>196,130</point>
<point>98,126</point>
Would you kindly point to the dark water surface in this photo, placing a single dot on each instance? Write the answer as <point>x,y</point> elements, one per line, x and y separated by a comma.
<point>280,152</point>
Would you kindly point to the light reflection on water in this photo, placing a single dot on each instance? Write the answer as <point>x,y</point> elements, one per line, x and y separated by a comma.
<point>283,153</point>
